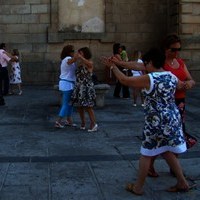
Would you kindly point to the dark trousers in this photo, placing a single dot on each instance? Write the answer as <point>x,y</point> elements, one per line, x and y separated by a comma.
<point>4,85</point>
<point>1,93</point>
<point>119,86</point>
<point>125,90</point>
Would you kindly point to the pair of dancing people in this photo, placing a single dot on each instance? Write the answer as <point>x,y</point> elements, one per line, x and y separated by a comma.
<point>77,87</point>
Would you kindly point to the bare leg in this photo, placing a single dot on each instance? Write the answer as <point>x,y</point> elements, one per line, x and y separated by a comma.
<point>11,89</point>
<point>144,164</point>
<point>82,116</point>
<point>91,116</point>
<point>135,94</point>
<point>174,164</point>
<point>19,87</point>
<point>142,97</point>
<point>152,172</point>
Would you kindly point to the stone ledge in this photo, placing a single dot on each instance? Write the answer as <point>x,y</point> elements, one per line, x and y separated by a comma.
<point>100,89</point>
<point>55,36</point>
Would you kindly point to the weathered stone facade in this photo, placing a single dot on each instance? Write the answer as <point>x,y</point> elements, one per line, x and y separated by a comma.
<point>33,26</point>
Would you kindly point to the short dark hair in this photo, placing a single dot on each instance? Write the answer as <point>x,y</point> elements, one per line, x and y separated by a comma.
<point>2,45</point>
<point>156,56</point>
<point>116,47</point>
<point>16,52</point>
<point>66,51</point>
<point>86,52</point>
<point>169,40</point>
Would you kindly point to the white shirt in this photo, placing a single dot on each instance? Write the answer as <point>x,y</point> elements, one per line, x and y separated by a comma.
<point>67,75</point>
<point>137,73</point>
<point>4,59</point>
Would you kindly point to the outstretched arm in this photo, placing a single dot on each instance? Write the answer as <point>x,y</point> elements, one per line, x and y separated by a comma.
<point>12,58</point>
<point>138,82</point>
<point>129,65</point>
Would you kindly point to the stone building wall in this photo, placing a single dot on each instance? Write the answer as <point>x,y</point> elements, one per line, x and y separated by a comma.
<point>33,28</point>
<point>189,30</point>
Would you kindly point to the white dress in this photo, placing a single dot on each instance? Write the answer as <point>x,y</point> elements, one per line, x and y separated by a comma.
<point>15,74</point>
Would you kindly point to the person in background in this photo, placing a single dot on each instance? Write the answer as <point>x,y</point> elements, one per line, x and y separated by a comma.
<point>117,49</point>
<point>5,59</point>
<point>84,93</point>
<point>137,91</point>
<point>162,133</point>
<point>15,74</point>
<point>124,55</point>
<point>66,85</point>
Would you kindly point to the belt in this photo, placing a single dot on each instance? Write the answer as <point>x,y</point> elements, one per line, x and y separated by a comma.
<point>67,81</point>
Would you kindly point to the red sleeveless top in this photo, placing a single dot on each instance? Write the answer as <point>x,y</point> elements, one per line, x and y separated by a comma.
<point>180,74</point>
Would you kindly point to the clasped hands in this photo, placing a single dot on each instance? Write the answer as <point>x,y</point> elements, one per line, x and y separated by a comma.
<point>108,61</point>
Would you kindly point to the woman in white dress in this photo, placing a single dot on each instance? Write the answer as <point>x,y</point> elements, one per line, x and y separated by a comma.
<point>15,74</point>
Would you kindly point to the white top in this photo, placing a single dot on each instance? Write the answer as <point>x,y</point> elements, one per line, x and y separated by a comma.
<point>137,73</point>
<point>67,75</point>
<point>4,59</point>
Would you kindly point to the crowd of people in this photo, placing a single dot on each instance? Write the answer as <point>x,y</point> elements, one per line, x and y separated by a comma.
<point>161,79</point>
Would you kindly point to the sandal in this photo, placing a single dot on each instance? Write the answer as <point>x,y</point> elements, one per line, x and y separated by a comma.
<point>130,187</point>
<point>82,127</point>
<point>58,125</point>
<point>177,189</point>
<point>70,124</point>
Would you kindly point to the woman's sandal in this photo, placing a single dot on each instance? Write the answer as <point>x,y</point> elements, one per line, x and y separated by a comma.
<point>67,123</point>
<point>177,189</point>
<point>130,187</point>
<point>58,125</point>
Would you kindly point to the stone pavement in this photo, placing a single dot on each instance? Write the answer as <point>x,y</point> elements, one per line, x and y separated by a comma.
<point>40,162</point>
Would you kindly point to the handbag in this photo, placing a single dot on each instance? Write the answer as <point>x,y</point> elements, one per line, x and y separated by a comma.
<point>190,140</point>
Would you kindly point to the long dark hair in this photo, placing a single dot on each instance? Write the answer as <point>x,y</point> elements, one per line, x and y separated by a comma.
<point>66,51</point>
<point>86,52</point>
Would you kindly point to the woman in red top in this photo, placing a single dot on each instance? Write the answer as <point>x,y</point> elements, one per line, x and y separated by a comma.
<point>172,46</point>
<point>174,64</point>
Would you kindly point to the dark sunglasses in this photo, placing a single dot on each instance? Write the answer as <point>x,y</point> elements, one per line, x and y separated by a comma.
<point>175,49</point>
<point>72,50</point>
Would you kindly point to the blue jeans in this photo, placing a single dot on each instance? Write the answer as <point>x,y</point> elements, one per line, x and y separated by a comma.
<point>66,109</point>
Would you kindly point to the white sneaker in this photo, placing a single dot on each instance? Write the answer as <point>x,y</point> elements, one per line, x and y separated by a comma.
<point>20,93</point>
<point>142,105</point>
<point>134,105</point>
<point>82,127</point>
<point>93,129</point>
